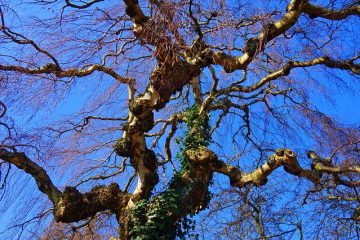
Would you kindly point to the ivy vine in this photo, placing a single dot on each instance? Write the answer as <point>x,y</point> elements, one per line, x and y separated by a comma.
<point>151,217</point>
<point>196,136</point>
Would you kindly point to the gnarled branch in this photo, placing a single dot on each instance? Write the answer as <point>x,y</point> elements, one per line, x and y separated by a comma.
<point>20,160</point>
<point>62,73</point>
<point>258,177</point>
<point>70,205</point>
<point>256,45</point>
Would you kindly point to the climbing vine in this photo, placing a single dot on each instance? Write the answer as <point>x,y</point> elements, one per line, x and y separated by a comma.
<point>154,219</point>
<point>196,136</point>
<point>151,217</point>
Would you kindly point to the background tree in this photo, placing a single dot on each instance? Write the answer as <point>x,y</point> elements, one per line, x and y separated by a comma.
<point>134,116</point>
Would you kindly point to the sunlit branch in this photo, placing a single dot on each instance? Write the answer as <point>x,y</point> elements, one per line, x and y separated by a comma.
<point>195,83</point>
<point>256,45</point>
<point>42,179</point>
<point>316,11</point>
<point>286,69</point>
<point>287,159</point>
<point>62,73</point>
<point>324,165</point>
<point>70,205</point>
<point>258,177</point>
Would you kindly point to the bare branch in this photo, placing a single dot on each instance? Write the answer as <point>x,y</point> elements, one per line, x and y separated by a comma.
<point>287,159</point>
<point>24,40</point>
<point>316,11</point>
<point>134,11</point>
<point>71,72</point>
<point>256,45</point>
<point>258,177</point>
<point>86,5</point>
<point>323,165</point>
<point>284,71</point>
<point>42,179</point>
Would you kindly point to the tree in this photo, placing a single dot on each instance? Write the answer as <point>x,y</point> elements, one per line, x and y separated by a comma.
<point>146,113</point>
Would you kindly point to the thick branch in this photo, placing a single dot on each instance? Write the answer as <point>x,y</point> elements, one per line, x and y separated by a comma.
<point>187,193</point>
<point>256,45</point>
<point>287,159</point>
<point>71,72</point>
<point>316,11</point>
<point>164,82</point>
<point>258,177</point>
<point>171,74</point>
<point>74,206</point>
<point>324,165</point>
<point>134,11</point>
<point>43,181</point>
<point>71,205</point>
<point>286,69</point>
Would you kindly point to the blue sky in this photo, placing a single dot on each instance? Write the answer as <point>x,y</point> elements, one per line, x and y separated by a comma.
<point>65,104</point>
